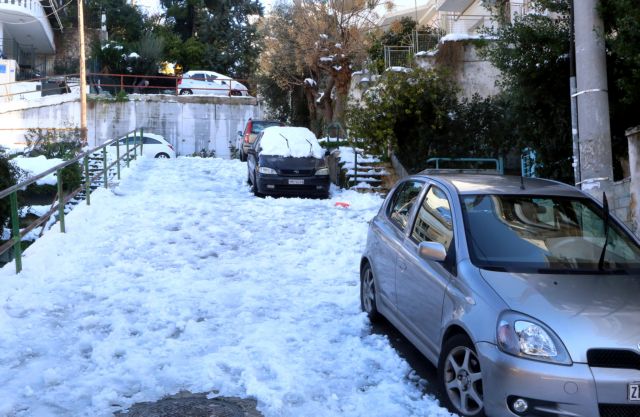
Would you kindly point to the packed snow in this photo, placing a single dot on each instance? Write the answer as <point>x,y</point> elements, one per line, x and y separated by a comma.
<point>180,279</point>
<point>298,142</point>
<point>34,166</point>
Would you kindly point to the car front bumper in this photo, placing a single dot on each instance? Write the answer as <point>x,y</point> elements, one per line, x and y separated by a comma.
<point>279,185</point>
<point>553,390</point>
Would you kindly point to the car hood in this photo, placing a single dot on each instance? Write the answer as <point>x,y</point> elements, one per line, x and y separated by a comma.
<point>585,311</point>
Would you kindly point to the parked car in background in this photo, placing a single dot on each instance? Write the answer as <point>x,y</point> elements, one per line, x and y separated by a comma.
<point>522,292</point>
<point>153,146</point>
<point>287,161</point>
<point>245,139</point>
<point>211,83</point>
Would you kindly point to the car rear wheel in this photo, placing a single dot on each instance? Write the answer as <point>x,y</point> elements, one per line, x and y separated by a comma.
<point>460,377</point>
<point>162,155</point>
<point>186,92</point>
<point>368,293</point>
<point>243,157</point>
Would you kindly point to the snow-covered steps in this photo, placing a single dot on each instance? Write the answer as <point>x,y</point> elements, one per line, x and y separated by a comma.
<point>365,173</point>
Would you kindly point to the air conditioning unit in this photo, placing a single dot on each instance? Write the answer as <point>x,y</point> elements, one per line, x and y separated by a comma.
<point>8,70</point>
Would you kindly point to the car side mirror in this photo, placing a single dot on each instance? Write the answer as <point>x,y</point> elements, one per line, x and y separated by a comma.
<point>432,251</point>
<point>327,152</point>
<point>239,132</point>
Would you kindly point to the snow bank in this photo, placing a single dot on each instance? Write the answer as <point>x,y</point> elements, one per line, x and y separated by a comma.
<point>37,165</point>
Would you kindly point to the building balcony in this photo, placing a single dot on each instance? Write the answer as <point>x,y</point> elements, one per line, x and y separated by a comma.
<point>454,6</point>
<point>25,22</point>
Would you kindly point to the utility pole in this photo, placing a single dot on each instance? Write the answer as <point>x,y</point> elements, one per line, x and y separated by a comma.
<point>596,162</point>
<point>83,77</point>
<point>573,88</point>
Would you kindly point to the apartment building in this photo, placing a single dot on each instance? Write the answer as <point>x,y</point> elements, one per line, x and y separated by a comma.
<point>458,23</point>
<point>27,37</point>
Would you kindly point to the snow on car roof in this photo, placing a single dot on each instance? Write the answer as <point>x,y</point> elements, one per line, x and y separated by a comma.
<point>298,142</point>
<point>147,134</point>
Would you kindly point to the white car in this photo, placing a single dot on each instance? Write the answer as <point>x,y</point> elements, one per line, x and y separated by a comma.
<point>210,83</point>
<point>153,146</point>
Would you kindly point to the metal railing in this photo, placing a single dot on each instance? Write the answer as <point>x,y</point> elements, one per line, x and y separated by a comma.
<point>131,84</point>
<point>89,178</point>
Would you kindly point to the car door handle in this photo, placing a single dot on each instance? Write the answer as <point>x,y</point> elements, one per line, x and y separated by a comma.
<point>402,266</point>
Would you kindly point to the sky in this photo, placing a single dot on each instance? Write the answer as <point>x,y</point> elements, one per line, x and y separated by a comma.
<point>178,278</point>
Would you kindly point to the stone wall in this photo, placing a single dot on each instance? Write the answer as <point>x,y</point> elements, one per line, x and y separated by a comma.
<point>190,123</point>
<point>620,202</point>
<point>633,138</point>
<point>473,74</point>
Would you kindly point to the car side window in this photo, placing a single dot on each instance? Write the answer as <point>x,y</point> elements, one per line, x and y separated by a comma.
<point>433,222</point>
<point>402,201</point>
<point>150,141</point>
<point>199,77</point>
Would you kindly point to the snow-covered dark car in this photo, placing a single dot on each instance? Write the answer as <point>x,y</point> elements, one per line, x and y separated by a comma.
<point>288,161</point>
<point>523,292</point>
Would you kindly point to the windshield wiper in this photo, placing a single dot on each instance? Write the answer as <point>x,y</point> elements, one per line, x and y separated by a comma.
<point>605,206</point>
<point>286,140</point>
<point>581,271</point>
<point>310,145</point>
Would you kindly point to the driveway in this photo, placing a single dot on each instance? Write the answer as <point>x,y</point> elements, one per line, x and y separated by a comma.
<point>181,280</point>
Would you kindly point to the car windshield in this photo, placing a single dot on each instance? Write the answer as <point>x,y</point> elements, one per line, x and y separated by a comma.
<point>544,234</point>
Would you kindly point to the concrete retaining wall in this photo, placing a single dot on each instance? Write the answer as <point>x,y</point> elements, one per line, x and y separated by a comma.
<point>190,123</point>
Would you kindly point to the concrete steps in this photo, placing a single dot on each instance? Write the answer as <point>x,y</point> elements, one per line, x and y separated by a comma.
<point>369,176</point>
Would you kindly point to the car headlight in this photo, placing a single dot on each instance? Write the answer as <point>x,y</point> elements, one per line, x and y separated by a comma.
<point>523,336</point>
<point>267,170</point>
<point>322,171</point>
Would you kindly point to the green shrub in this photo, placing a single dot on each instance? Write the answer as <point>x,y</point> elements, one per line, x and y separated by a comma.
<point>9,176</point>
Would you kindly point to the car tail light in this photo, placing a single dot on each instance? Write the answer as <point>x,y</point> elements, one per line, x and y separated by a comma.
<point>247,131</point>
<point>179,81</point>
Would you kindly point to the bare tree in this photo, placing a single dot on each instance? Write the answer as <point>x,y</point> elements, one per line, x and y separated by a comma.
<point>318,45</point>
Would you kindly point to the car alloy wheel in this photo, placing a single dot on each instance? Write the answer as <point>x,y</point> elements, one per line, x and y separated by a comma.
<point>186,92</point>
<point>162,155</point>
<point>461,378</point>
<point>368,293</point>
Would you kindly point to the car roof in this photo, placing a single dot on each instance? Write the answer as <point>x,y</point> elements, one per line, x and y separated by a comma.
<point>502,184</point>
<point>207,72</point>
<point>148,135</point>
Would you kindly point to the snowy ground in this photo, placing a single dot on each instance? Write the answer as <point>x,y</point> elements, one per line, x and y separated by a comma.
<point>180,279</point>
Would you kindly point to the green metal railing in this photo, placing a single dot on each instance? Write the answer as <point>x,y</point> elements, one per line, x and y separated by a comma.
<point>467,164</point>
<point>12,192</point>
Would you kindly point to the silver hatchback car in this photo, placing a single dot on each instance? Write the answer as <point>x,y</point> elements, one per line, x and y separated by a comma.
<point>525,293</point>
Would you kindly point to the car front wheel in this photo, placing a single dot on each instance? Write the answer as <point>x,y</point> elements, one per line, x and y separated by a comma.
<point>186,92</point>
<point>368,293</point>
<point>460,377</point>
<point>162,155</point>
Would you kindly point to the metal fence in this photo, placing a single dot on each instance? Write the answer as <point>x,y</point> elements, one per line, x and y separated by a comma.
<point>426,40</point>
<point>91,178</point>
<point>398,56</point>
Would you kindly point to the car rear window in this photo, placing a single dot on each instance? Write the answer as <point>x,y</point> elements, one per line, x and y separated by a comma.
<point>258,127</point>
